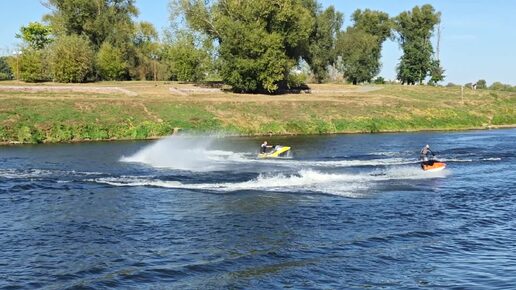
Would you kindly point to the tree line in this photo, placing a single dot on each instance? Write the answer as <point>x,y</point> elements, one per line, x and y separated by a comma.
<point>482,85</point>
<point>252,46</point>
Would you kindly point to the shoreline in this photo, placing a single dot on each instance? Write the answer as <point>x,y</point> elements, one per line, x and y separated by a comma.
<point>125,111</point>
<point>485,128</point>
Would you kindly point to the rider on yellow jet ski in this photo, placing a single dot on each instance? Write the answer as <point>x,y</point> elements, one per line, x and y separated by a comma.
<point>264,146</point>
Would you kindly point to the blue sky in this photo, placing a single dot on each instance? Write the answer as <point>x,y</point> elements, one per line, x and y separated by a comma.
<point>478,39</point>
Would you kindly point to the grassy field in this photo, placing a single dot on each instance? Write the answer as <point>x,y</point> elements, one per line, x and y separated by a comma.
<point>137,110</point>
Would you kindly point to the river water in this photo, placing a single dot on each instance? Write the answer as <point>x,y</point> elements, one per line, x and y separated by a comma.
<point>202,212</point>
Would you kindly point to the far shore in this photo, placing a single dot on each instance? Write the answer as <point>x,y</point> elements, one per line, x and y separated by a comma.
<point>150,138</point>
<point>111,111</point>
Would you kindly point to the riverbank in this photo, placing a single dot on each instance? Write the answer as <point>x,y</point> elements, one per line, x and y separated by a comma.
<point>49,113</point>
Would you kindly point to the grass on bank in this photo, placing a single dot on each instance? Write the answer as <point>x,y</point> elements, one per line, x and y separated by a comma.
<point>35,117</point>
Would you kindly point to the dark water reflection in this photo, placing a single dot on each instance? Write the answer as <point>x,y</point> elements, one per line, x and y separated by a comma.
<point>347,211</point>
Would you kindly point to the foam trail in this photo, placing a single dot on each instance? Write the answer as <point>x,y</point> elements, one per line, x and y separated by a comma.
<point>345,163</point>
<point>306,180</point>
<point>492,159</point>
<point>455,160</point>
<point>29,173</point>
<point>9,173</point>
<point>343,184</point>
<point>289,162</point>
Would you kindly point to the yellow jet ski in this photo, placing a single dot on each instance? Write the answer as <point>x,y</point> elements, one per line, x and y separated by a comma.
<point>276,152</point>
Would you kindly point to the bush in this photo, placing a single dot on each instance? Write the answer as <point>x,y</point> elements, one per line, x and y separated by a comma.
<point>185,61</point>
<point>5,70</point>
<point>71,59</point>
<point>33,65</point>
<point>379,81</point>
<point>28,134</point>
<point>296,80</point>
<point>110,63</point>
<point>4,76</point>
<point>481,84</point>
<point>498,86</point>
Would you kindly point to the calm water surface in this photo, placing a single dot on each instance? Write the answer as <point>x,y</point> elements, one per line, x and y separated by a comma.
<point>346,211</point>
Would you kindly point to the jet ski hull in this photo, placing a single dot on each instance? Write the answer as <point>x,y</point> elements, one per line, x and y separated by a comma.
<point>276,153</point>
<point>434,166</point>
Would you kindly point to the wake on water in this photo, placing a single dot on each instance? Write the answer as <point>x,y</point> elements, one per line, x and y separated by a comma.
<point>307,180</point>
<point>195,153</point>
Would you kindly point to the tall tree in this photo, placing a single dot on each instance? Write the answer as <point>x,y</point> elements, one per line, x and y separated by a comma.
<point>358,51</point>
<point>376,23</point>
<point>186,61</point>
<point>147,51</point>
<point>414,30</point>
<point>35,34</point>
<point>361,45</point>
<point>322,40</point>
<point>258,41</point>
<point>99,20</point>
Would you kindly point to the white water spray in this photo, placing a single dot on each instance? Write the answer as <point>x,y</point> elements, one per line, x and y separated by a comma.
<point>182,152</point>
<point>343,184</point>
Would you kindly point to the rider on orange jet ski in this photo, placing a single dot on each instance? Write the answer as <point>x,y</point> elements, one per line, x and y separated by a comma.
<point>424,155</point>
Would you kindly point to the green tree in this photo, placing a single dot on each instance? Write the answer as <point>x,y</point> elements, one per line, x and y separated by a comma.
<point>147,50</point>
<point>5,70</point>
<point>36,35</point>
<point>71,59</point>
<point>376,23</point>
<point>357,49</point>
<point>500,87</point>
<point>379,81</point>
<point>258,41</point>
<point>361,45</point>
<point>33,65</point>
<point>110,63</point>
<point>481,84</point>
<point>414,30</point>
<point>322,41</point>
<point>436,72</point>
<point>99,20</point>
<point>185,60</point>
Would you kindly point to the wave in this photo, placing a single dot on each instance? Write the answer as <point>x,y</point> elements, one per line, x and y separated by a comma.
<point>492,159</point>
<point>24,173</point>
<point>455,160</point>
<point>345,163</point>
<point>10,173</point>
<point>343,184</point>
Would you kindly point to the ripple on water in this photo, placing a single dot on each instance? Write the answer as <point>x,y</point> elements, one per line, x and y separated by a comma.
<point>336,215</point>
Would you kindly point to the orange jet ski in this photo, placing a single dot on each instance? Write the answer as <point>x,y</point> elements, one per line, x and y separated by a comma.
<point>433,165</point>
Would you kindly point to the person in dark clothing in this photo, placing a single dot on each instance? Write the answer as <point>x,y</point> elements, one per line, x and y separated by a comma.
<point>263,147</point>
<point>424,155</point>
